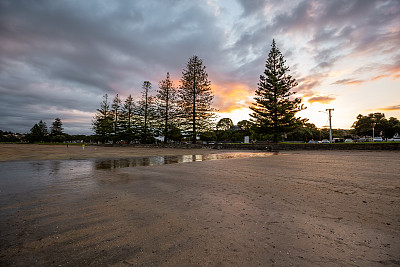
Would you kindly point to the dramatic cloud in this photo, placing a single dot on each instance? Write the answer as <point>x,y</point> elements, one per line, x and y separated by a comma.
<point>321,99</point>
<point>232,96</point>
<point>58,58</point>
<point>308,84</point>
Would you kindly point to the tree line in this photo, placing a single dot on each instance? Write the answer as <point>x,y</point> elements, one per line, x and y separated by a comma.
<point>376,124</point>
<point>40,132</point>
<point>173,112</point>
<point>226,131</point>
<point>186,111</point>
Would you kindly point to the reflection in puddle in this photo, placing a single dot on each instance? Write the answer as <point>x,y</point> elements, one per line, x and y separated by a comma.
<point>21,177</point>
<point>163,160</point>
<point>25,177</point>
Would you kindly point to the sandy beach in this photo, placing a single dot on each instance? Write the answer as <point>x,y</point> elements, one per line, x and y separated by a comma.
<point>298,208</point>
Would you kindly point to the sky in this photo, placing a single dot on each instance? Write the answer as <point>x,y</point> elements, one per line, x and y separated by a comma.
<point>58,58</point>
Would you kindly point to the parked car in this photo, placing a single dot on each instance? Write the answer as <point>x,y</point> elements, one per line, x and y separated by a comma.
<point>395,138</point>
<point>378,139</point>
<point>325,141</point>
<point>349,140</point>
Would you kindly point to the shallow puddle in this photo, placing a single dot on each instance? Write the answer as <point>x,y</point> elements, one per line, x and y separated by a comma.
<point>24,177</point>
<point>163,160</point>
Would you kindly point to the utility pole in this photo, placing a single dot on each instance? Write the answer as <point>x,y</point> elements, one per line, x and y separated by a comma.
<point>330,123</point>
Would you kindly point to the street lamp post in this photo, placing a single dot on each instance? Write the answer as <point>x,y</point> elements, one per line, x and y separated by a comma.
<point>373,132</point>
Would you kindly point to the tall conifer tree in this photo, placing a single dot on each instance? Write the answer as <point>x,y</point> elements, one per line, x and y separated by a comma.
<point>128,117</point>
<point>56,127</point>
<point>196,98</point>
<point>116,114</point>
<point>167,109</point>
<point>274,110</point>
<point>103,121</point>
<point>146,112</point>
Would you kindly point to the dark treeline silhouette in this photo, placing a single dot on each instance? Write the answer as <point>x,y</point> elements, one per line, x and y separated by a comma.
<point>172,113</point>
<point>40,133</point>
<point>376,124</point>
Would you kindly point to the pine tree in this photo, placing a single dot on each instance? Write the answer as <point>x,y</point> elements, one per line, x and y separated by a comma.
<point>56,127</point>
<point>273,110</point>
<point>146,112</point>
<point>43,128</point>
<point>116,114</point>
<point>38,132</point>
<point>167,109</point>
<point>103,121</point>
<point>128,116</point>
<point>35,134</point>
<point>196,98</point>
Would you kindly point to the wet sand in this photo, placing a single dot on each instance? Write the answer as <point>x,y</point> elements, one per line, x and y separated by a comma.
<point>46,152</point>
<point>304,208</point>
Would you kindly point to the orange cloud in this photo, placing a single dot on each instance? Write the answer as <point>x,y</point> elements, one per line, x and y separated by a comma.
<point>380,77</point>
<point>321,99</point>
<point>390,108</point>
<point>232,96</point>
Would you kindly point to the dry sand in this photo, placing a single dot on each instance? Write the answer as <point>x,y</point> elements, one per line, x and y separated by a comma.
<point>304,208</point>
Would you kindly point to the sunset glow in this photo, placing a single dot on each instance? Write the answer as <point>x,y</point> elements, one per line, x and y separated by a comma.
<point>58,58</point>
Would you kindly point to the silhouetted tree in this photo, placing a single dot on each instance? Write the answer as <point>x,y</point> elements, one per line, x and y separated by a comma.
<point>208,136</point>
<point>38,132</point>
<point>56,127</point>
<point>393,127</point>
<point>382,127</point>
<point>196,98</point>
<point>56,131</point>
<point>304,133</point>
<point>128,118</point>
<point>103,121</point>
<point>146,112</point>
<point>273,110</point>
<point>174,133</point>
<point>116,114</point>
<point>43,127</point>
<point>245,125</point>
<point>222,127</point>
<point>167,108</point>
<point>35,134</point>
<point>8,136</point>
<point>224,124</point>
